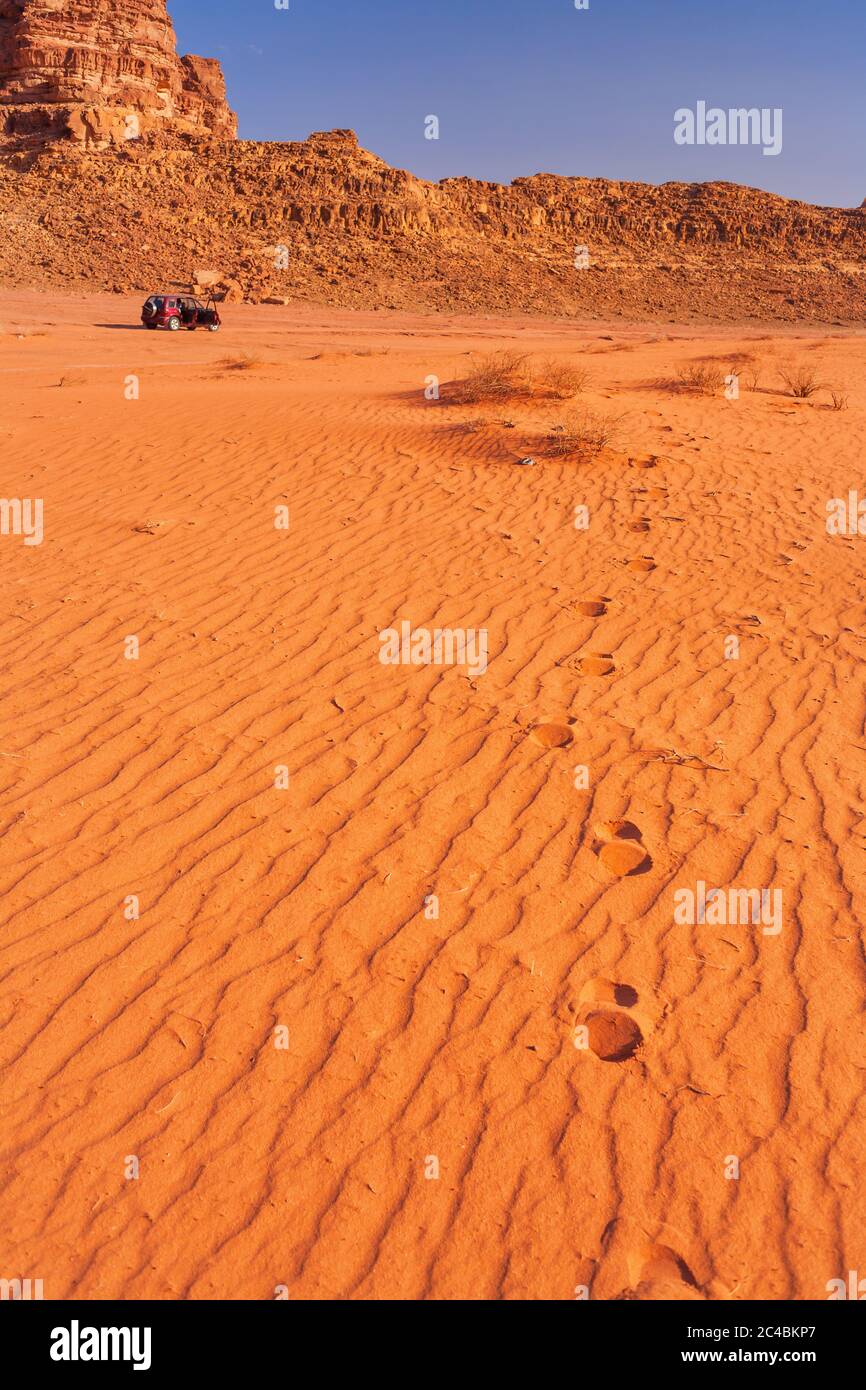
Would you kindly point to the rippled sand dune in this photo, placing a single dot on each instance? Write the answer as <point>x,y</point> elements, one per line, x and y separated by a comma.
<point>372,972</point>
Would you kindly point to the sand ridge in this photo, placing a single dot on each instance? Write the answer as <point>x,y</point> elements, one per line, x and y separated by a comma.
<point>395,865</point>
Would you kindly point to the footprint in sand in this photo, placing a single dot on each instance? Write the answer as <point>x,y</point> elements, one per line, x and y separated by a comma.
<point>621,851</point>
<point>640,524</point>
<point>642,565</point>
<point>602,991</point>
<point>591,608</point>
<point>657,1273</point>
<point>606,830</point>
<point>613,1036</point>
<point>644,461</point>
<point>606,1022</point>
<point>624,857</point>
<point>551,735</point>
<point>596,664</point>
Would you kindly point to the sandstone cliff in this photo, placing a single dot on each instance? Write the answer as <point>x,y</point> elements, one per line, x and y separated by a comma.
<point>324,220</point>
<point>119,169</point>
<point>101,72</point>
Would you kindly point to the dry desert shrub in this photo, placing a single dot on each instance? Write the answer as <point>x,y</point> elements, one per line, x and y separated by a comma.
<point>801,380</point>
<point>703,377</point>
<point>582,434</point>
<point>561,380</point>
<point>498,376</point>
<point>510,376</point>
<point>242,363</point>
<point>746,370</point>
<point>840,402</point>
<point>751,377</point>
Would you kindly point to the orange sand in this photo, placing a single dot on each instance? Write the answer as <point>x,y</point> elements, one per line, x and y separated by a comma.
<point>413,1038</point>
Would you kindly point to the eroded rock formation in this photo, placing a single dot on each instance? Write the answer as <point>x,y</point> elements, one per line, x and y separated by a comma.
<point>324,220</point>
<point>118,169</point>
<point>102,72</point>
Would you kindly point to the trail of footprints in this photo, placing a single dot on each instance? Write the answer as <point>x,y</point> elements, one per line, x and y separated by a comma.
<point>608,1021</point>
<point>612,1022</point>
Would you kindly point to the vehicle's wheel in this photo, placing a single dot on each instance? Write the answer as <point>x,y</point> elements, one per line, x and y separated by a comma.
<point>174,323</point>
<point>213,328</point>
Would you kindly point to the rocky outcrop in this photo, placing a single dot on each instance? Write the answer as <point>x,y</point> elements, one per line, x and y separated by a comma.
<point>324,220</point>
<point>102,72</point>
<point>119,169</point>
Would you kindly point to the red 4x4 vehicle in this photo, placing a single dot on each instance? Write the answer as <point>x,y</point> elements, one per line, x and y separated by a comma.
<point>176,311</point>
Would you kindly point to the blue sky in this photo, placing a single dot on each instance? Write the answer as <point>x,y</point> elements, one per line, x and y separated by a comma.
<point>531,86</point>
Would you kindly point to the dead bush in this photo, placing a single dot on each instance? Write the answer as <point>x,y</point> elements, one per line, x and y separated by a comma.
<point>512,376</point>
<point>498,376</point>
<point>751,377</point>
<point>801,380</point>
<point>242,363</point>
<point>703,377</point>
<point>582,434</point>
<point>558,379</point>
